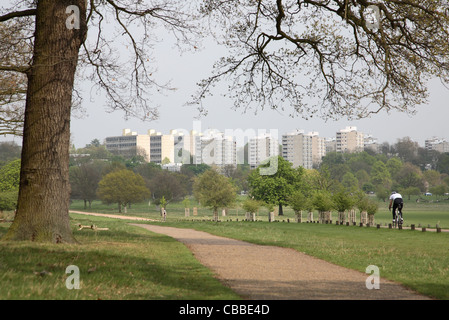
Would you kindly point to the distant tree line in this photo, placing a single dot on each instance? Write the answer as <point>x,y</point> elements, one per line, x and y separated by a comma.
<point>403,167</point>
<point>95,174</point>
<point>92,178</point>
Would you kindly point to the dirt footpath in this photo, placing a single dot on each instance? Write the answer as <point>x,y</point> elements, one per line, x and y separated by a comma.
<point>114,216</point>
<point>258,272</point>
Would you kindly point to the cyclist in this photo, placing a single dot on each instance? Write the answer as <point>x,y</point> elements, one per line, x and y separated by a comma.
<point>397,203</point>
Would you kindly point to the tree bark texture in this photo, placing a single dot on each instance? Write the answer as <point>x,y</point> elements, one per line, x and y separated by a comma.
<point>43,206</point>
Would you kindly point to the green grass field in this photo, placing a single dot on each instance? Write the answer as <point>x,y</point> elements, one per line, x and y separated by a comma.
<point>424,213</point>
<point>419,260</point>
<point>126,262</point>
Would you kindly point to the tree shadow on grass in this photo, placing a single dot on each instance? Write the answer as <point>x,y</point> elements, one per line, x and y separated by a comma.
<point>120,265</point>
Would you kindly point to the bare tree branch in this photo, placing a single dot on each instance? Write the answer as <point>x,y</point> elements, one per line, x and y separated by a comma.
<point>323,57</point>
<point>17,14</point>
<point>127,78</point>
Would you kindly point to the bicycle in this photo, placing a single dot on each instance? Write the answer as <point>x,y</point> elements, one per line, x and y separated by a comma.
<point>397,222</point>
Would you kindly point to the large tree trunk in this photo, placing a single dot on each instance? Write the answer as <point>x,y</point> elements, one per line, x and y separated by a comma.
<point>43,204</point>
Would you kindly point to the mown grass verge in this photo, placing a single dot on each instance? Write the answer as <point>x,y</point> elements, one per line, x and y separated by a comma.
<point>122,263</point>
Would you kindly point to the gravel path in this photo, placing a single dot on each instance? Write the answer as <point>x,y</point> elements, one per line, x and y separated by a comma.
<point>114,216</point>
<point>258,272</point>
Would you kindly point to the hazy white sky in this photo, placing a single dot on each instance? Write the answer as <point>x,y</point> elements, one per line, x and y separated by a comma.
<point>185,70</point>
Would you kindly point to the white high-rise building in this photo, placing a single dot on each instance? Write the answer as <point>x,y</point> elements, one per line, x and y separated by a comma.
<point>318,148</point>
<point>370,143</point>
<point>174,148</point>
<point>350,140</point>
<point>437,144</point>
<point>302,149</point>
<point>129,144</point>
<point>261,148</point>
<point>214,148</point>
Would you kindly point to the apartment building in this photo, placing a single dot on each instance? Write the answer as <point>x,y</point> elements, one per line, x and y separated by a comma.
<point>261,148</point>
<point>214,148</point>
<point>305,150</point>
<point>331,145</point>
<point>349,140</point>
<point>159,144</point>
<point>437,144</point>
<point>318,145</point>
<point>129,144</point>
<point>371,143</point>
<point>176,147</point>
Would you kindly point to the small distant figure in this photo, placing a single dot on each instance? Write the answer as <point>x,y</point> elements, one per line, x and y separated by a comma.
<point>164,214</point>
<point>397,203</point>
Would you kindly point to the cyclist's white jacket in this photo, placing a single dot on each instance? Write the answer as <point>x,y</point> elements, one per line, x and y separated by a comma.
<point>395,196</point>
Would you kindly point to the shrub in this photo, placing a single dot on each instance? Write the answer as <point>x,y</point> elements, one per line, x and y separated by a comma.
<point>322,201</point>
<point>251,205</point>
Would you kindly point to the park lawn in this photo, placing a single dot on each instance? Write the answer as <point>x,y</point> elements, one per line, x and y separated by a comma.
<point>423,214</point>
<point>131,263</point>
<point>418,260</point>
<point>124,262</point>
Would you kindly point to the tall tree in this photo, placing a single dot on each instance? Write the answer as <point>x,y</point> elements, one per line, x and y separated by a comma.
<point>443,163</point>
<point>407,150</point>
<point>59,32</point>
<point>84,181</point>
<point>214,190</point>
<point>350,182</point>
<point>42,213</point>
<point>380,176</point>
<point>275,188</point>
<point>410,176</point>
<point>168,185</point>
<point>122,187</point>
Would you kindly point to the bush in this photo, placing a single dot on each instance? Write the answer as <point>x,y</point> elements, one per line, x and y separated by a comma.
<point>251,205</point>
<point>322,201</point>
<point>372,207</point>
<point>342,201</point>
<point>299,202</point>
